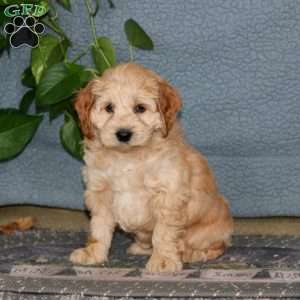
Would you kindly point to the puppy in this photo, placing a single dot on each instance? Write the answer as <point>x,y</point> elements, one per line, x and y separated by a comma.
<point>140,174</point>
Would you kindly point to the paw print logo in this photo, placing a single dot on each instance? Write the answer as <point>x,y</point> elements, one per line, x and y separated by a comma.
<point>24,31</point>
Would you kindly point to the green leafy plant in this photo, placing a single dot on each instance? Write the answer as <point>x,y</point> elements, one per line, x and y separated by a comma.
<point>53,78</point>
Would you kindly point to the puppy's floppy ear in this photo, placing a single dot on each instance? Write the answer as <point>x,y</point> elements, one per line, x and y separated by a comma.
<point>83,105</point>
<point>169,103</point>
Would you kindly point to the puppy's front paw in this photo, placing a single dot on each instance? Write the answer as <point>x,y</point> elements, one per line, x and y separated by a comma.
<point>159,263</point>
<point>86,256</point>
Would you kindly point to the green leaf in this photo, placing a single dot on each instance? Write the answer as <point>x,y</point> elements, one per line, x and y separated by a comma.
<point>16,130</point>
<point>3,18</point>
<point>60,82</point>
<point>26,101</point>
<point>136,35</point>
<point>94,11</point>
<point>104,54</point>
<point>45,4</point>
<point>70,136</point>
<point>49,52</point>
<point>3,43</point>
<point>57,109</point>
<point>27,78</point>
<point>65,4</point>
<point>111,4</point>
<point>85,76</point>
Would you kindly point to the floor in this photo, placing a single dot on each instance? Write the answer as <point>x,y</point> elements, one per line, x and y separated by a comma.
<point>63,219</point>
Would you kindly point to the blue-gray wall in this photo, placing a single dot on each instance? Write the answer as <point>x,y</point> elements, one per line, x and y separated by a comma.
<point>237,64</point>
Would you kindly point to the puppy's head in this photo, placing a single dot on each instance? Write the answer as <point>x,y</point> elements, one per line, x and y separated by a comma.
<point>126,106</point>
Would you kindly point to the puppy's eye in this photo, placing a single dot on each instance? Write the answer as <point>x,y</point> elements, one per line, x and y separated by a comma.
<point>109,108</point>
<point>139,109</point>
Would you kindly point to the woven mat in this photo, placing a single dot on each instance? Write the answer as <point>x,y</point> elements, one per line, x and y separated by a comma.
<point>35,264</point>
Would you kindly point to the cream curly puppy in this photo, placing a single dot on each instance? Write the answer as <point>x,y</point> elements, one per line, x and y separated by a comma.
<point>140,174</point>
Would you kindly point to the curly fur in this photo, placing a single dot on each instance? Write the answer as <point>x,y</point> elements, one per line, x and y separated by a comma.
<point>156,186</point>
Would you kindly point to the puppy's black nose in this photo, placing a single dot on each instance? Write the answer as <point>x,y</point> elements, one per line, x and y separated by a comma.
<point>124,135</point>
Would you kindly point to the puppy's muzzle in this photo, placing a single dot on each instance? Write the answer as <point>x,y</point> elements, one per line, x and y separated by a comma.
<point>124,135</point>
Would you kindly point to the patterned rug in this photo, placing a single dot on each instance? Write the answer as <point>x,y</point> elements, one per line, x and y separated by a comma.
<point>34,265</point>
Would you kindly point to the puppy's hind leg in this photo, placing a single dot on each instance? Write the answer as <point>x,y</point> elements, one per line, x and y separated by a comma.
<point>142,244</point>
<point>205,242</point>
<point>214,251</point>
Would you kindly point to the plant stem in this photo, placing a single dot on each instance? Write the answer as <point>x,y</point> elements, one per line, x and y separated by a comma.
<point>82,53</point>
<point>92,20</point>
<point>93,27</point>
<point>57,30</point>
<point>131,53</point>
<point>52,9</point>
